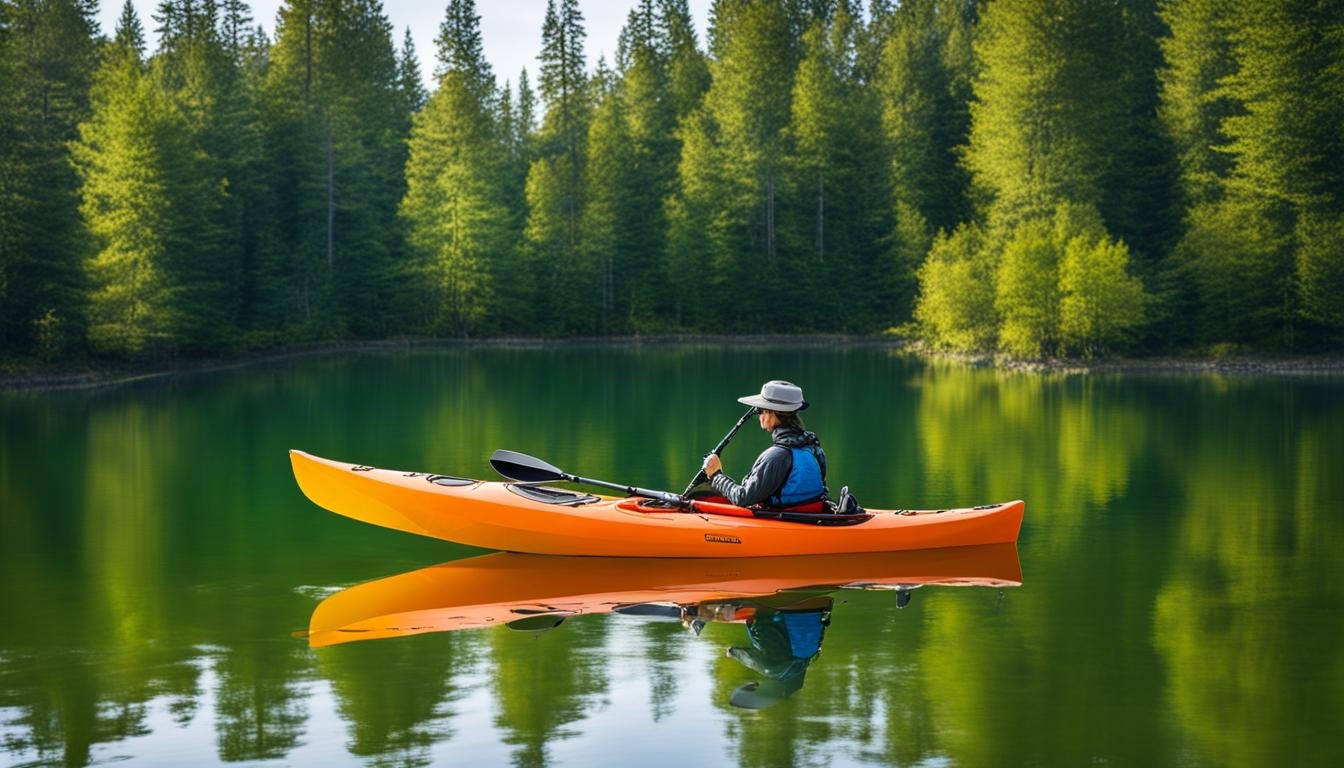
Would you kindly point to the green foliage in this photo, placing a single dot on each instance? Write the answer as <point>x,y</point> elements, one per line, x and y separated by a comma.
<point>1042,123</point>
<point>1234,259</point>
<point>687,68</point>
<point>924,112</point>
<point>336,143</point>
<point>127,157</point>
<point>1064,109</point>
<point>1254,96</point>
<point>836,221</point>
<point>955,309</point>
<point>228,191</point>
<point>458,223</point>
<point>633,150</point>
<point>1026,290</point>
<point>1050,285</point>
<point>554,189</point>
<point>1320,269</point>
<point>1102,305</point>
<point>408,76</point>
<point>610,177</point>
<point>1198,57</point>
<point>732,166</point>
<point>48,54</point>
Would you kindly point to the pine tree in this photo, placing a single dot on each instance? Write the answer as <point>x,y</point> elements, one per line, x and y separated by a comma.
<point>235,27</point>
<point>1194,104</point>
<point>455,206</point>
<point>199,68</point>
<point>637,149</point>
<point>1140,189</point>
<point>252,182</point>
<point>924,80</point>
<point>336,121</point>
<point>516,302</point>
<point>725,228</point>
<point>554,189</point>
<point>608,210</point>
<point>925,109</point>
<point>408,76</point>
<point>687,67</point>
<point>1288,147</point>
<point>128,157</point>
<point>837,177</point>
<point>1257,248</point>
<point>1052,107</point>
<point>48,55</point>
<point>1198,57</point>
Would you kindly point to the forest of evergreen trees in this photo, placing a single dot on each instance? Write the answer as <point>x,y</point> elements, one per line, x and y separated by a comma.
<point>1040,177</point>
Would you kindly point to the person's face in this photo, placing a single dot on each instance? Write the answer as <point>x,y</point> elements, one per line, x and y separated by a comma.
<point>769,420</point>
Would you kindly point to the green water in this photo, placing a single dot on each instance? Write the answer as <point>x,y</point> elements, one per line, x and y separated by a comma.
<point>1182,598</point>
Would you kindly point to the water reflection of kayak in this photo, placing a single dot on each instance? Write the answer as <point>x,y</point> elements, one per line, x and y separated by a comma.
<point>519,517</point>
<point>504,587</point>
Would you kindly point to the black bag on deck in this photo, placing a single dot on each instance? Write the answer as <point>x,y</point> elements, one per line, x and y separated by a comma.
<point>847,505</point>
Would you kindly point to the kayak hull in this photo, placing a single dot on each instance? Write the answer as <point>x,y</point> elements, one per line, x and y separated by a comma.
<point>491,516</point>
<point>495,589</point>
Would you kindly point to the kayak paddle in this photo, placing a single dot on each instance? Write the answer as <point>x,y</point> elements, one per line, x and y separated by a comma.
<point>529,469</point>
<point>718,450</point>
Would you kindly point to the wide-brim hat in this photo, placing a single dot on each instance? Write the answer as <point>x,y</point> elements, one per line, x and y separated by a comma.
<point>777,396</point>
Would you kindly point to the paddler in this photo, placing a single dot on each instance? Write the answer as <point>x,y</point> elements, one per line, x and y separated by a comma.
<point>791,473</point>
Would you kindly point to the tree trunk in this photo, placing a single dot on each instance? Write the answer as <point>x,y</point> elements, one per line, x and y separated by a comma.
<point>331,200</point>
<point>821,219</point>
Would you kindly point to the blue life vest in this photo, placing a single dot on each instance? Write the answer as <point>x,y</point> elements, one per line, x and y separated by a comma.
<point>804,483</point>
<point>805,631</point>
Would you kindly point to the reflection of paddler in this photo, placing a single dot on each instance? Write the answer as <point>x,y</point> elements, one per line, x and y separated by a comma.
<point>784,641</point>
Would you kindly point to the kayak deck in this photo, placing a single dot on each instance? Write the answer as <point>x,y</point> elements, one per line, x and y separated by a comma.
<point>513,517</point>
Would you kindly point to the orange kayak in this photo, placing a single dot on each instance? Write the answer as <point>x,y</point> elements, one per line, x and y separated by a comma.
<point>499,588</point>
<point>520,517</point>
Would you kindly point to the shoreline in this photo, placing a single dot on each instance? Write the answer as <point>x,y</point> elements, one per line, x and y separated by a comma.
<point>94,375</point>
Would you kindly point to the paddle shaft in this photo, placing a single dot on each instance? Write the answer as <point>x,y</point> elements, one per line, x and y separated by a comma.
<point>629,490</point>
<point>718,450</point>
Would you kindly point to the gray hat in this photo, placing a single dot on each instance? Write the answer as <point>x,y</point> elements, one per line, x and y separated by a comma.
<point>777,396</point>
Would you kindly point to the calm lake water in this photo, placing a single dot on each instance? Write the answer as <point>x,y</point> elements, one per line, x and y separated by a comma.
<point>1181,598</point>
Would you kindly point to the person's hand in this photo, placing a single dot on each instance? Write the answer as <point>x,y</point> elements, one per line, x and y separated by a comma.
<point>712,465</point>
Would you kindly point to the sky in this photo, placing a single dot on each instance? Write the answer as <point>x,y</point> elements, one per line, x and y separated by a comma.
<point>510,29</point>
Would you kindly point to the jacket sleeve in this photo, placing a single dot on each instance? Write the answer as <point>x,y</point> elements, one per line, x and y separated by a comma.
<point>766,477</point>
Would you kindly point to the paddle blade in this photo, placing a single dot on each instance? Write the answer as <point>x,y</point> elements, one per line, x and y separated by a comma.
<point>524,468</point>
<point>539,623</point>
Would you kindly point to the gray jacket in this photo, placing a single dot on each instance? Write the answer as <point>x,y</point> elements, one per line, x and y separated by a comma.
<point>771,469</point>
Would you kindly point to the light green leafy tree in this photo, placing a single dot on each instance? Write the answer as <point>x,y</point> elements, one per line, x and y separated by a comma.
<point>1026,290</point>
<point>955,308</point>
<point>1101,304</point>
